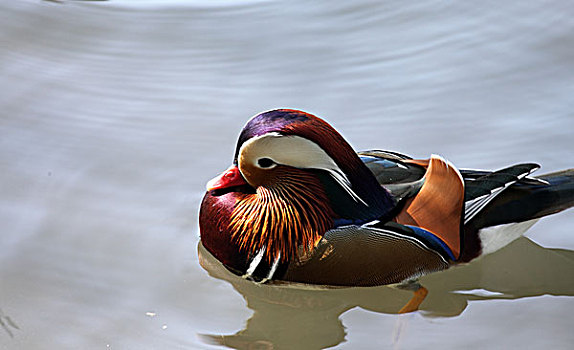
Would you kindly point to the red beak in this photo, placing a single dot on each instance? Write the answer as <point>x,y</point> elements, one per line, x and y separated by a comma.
<point>230,177</point>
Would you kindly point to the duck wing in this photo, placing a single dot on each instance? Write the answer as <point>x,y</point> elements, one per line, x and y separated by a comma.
<point>481,190</point>
<point>369,255</point>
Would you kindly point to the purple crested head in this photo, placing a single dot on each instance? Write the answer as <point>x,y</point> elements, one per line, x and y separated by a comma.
<point>297,123</point>
<point>276,120</point>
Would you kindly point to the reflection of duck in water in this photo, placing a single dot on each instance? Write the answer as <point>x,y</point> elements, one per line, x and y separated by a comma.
<point>299,205</point>
<point>288,317</point>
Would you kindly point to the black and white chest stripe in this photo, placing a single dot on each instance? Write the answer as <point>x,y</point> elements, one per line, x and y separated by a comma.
<point>258,268</point>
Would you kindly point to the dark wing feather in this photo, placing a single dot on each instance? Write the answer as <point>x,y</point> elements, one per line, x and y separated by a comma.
<point>526,200</point>
<point>400,178</point>
<point>473,174</point>
<point>391,155</point>
<point>479,191</point>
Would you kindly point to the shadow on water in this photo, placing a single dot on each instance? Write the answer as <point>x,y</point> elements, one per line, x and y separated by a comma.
<point>309,318</point>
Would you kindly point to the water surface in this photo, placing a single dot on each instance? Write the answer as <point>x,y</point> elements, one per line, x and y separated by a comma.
<point>115,114</point>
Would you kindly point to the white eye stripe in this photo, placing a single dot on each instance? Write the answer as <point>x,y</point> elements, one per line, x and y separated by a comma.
<point>294,151</point>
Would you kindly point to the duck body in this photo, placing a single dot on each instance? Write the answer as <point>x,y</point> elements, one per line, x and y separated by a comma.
<point>299,205</point>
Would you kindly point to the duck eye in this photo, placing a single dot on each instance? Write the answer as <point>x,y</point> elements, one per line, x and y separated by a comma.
<point>265,162</point>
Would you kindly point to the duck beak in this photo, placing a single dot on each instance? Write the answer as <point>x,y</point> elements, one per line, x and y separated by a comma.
<point>230,177</point>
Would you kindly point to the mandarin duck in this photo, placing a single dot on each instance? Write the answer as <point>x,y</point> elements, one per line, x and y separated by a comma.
<point>298,204</point>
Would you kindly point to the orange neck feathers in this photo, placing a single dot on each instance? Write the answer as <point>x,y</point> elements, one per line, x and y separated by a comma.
<point>285,218</point>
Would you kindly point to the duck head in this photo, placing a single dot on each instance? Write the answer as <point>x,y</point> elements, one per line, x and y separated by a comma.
<point>293,178</point>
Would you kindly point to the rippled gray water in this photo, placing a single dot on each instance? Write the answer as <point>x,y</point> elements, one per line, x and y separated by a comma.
<point>113,115</point>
